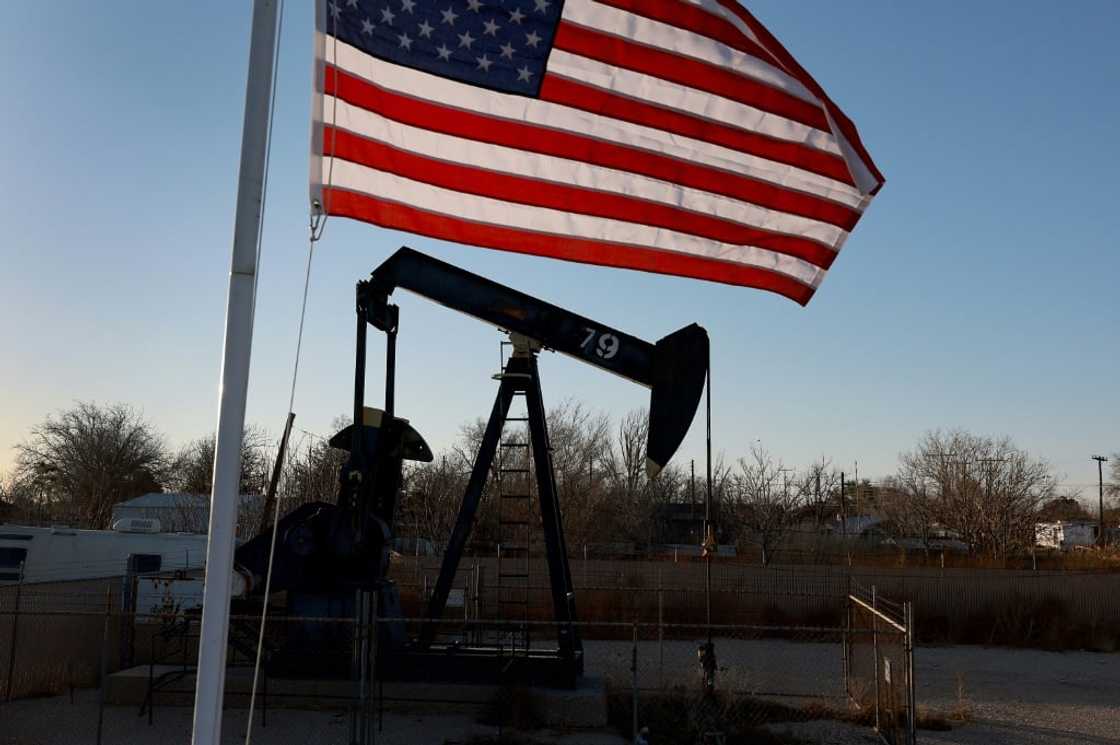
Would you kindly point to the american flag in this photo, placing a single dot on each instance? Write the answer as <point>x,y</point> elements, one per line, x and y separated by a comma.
<point>672,136</point>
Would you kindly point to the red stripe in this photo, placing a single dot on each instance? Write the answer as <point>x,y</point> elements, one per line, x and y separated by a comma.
<point>847,127</point>
<point>694,19</point>
<point>598,101</point>
<point>722,81</point>
<point>563,197</point>
<point>401,217</point>
<point>532,138</point>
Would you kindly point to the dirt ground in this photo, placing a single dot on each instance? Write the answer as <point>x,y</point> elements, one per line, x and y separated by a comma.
<point>1011,697</point>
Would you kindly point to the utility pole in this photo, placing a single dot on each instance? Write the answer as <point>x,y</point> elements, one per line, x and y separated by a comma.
<point>1101,460</point>
<point>859,510</point>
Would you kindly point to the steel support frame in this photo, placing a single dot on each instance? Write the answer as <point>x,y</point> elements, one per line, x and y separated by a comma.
<point>521,375</point>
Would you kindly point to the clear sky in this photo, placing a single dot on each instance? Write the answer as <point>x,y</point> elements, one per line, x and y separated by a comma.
<point>980,290</point>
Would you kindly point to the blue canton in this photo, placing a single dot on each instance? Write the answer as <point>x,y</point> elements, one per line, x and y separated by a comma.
<point>498,44</point>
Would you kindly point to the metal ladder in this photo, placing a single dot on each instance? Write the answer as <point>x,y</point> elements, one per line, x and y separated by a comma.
<point>516,518</point>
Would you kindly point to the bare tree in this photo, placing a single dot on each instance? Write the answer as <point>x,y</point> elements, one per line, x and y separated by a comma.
<point>192,470</point>
<point>311,470</point>
<point>86,459</point>
<point>911,507</point>
<point>819,485</point>
<point>985,490</point>
<point>627,483</point>
<point>764,503</point>
<point>432,495</point>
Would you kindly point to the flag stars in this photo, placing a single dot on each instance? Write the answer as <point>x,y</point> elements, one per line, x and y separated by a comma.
<point>443,53</point>
<point>484,63</point>
<point>524,74</point>
<point>367,26</point>
<point>507,51</point>
<point>352,3</point>
<point>475,5</point>
<point>387,15</point>
<point>532,39</point>
<point>449,16</point>
<point>491,27</point>
<point>405,41</point>
<point>407,5</point>
<point>335,11</point>
<point>516,15</point>
<point>542,5</point>
<point>465,40</point>
<point>426,29</point>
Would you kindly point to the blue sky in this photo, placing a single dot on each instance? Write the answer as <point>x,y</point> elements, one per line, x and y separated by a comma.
<point>978,292</point>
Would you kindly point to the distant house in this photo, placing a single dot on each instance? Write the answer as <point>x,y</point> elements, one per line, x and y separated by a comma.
<point>867,527</point>
<point>186,513</point>
<point>1066,534</point>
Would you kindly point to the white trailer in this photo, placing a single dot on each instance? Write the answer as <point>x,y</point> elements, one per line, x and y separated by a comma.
<point>59,554</point>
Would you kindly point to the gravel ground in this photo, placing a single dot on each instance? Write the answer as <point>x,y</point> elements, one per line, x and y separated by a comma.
<point>1013,697</point>
<point>55,721</point>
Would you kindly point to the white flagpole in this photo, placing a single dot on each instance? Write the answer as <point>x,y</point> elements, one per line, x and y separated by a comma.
<point>210,687</point>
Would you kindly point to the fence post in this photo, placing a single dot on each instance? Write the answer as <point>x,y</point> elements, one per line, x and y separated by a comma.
<point>875,648</point>
<point>660,631</point>
<point>911,696</point>
<point>846,646</point>
<point>104,663</point>
<point>15,630</point>
<point>634,683</point>
<point>585,585</point>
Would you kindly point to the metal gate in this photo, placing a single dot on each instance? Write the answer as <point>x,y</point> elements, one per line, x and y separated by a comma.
<point>879,663</point>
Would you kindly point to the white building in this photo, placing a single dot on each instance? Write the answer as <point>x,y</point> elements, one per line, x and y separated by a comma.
<point>187,513</point>
<point>1066,534</point>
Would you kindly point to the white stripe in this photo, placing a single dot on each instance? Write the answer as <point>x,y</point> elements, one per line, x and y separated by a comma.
<point>681,41</point>
<point>661,92</point>
<point>418,84</point>
<point>354,177</point>
<point>575,173</point>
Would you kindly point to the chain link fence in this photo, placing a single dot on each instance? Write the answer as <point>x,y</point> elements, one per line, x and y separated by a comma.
<point>854,666</point>
<point>879,663</point>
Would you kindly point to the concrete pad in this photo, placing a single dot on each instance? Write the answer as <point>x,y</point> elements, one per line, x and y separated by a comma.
<point>582,707</point>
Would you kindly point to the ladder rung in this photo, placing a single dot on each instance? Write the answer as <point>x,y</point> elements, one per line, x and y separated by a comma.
<point>514,575</point>
<point>515,496</point>
<point>517,418</point>
<point>513,470</point>
<point>516,523</point>
<point>512,444</point>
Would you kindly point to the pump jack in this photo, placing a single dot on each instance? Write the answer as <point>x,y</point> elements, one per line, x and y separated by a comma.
<point>330,557</point>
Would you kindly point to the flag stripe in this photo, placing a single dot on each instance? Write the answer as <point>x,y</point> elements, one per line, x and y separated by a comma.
<point>496,185</point>
<point>787,60</point>
<point>554,117</point>
<point>558,89</point>
<point>694,19</point>
<point>618,51</point>
<point>512,133</point>
<point>398,216</point>
<point>661,92</point>
<point>652,34</point>
<point>359,178</point>
<point>446,147</point>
